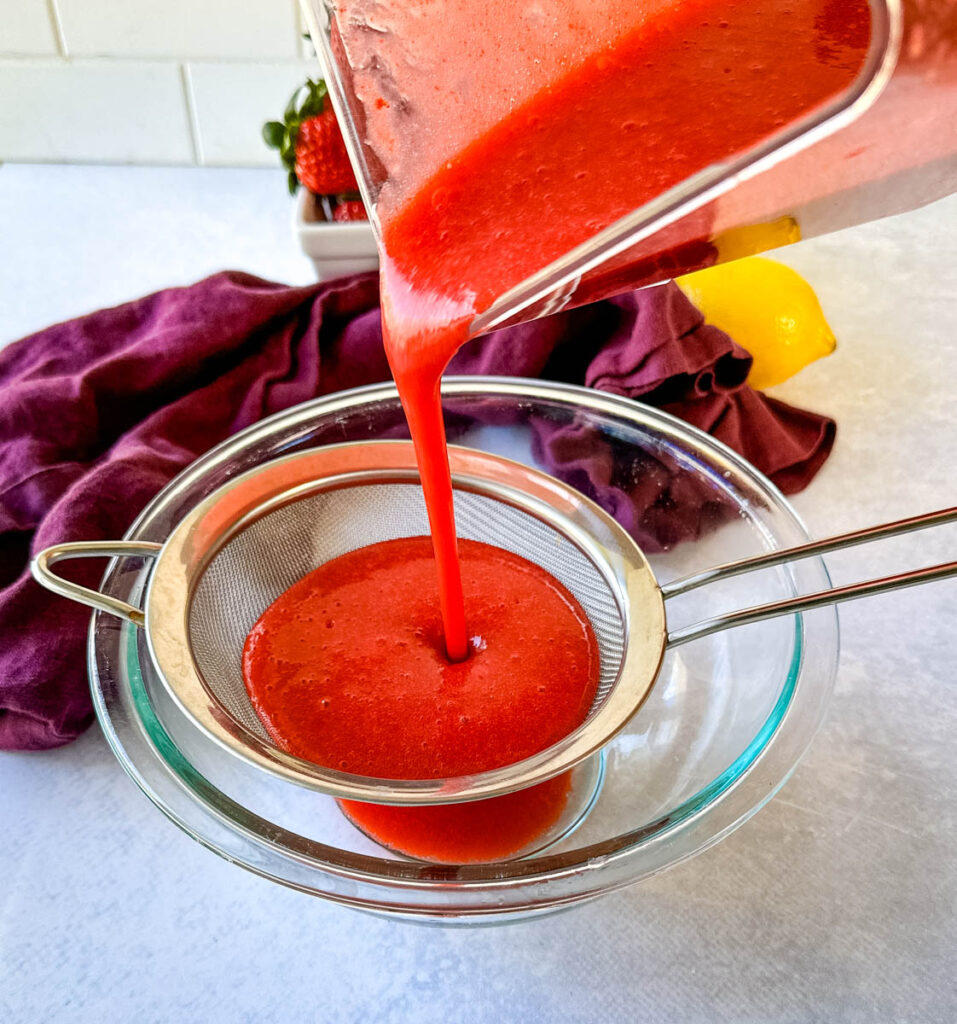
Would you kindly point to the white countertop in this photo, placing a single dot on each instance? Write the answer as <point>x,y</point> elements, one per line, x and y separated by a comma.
<point>837,902</point>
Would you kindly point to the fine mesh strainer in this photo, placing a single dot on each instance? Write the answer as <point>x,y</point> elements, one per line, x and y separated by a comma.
<point>249,541</point>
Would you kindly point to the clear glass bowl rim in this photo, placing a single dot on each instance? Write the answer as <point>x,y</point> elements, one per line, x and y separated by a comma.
<point>150,757</point>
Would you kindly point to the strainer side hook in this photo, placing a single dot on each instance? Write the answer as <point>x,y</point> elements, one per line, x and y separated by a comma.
<point>41,569</point>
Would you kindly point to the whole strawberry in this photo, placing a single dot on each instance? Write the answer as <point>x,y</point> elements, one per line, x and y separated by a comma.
<point>349,210</point>
<point>310,143</point>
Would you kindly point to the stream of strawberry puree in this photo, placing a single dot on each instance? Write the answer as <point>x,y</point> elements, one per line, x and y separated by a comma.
<point>702,81</point>
<point>425,674</point>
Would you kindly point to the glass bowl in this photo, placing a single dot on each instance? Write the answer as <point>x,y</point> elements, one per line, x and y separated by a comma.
<point>726,722</point>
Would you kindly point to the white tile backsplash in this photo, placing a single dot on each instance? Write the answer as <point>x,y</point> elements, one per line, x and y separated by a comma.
<point>26,28</point>
<point>111,111</point>
<point>307,49</point>
<point>137,81</point>
<point>181,29</point>
<point>230,104</point>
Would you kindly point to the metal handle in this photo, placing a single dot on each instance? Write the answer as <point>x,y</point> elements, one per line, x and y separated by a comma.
<point>40,567</point>
<point>809,601</point>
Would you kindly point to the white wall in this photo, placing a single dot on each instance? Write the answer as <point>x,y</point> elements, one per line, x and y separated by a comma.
<point>147,81</point>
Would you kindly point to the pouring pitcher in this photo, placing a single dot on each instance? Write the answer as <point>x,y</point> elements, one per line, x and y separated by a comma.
<point>752,125</point>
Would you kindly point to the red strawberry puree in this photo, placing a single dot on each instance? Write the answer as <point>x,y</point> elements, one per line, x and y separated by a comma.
<point>349,668</point>
<point>697,83</point>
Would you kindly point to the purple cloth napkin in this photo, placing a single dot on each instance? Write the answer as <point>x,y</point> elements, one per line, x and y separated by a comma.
<point>98,414</point>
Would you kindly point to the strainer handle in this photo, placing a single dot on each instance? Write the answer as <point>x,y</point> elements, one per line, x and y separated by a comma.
<point>808,601</point>
<point>42,572</point>
<point>814,547</point>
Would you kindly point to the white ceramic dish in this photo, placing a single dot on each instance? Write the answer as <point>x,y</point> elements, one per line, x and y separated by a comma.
<point>335,249</point>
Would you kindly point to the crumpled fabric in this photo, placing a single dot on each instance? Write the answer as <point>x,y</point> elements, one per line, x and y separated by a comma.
<point>99,413</point>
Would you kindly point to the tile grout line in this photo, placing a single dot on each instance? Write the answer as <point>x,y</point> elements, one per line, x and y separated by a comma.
<point>54,13</point>
<point>304,45</point>
<point>192,116</point>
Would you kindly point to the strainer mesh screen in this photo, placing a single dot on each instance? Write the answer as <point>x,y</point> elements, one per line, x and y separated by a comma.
<point>276,551</point>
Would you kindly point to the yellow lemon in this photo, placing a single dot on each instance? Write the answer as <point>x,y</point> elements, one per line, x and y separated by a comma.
<point>768,309</point>
<point>751,239</point>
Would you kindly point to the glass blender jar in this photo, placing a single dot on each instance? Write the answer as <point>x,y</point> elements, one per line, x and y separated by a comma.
<point>416,83</point>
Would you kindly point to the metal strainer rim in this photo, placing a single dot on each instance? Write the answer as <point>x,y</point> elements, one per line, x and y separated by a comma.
<point>248,497</point>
